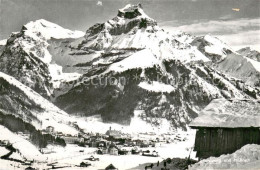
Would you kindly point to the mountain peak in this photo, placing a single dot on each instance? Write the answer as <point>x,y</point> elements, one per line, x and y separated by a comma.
<point>49,30</point>
<point>250,53</point>
<point>128,18</point>
<point>131,11</point>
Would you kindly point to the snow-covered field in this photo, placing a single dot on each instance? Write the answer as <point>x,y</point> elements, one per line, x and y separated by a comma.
<point>94,124</point>
<point>71,156</point>
<point>27,149</point>
<point>248,157</point>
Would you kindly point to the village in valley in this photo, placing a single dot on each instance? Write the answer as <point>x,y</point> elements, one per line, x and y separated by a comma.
<point>114,148</point>
<point>95,150</point>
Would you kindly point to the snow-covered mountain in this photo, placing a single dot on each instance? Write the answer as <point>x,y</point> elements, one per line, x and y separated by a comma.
<point>127,64</point>
<point>26,57</point>
<point>135,65</point>
<point>212,47</point>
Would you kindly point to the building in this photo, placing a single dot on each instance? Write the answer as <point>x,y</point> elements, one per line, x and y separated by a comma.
<point>125,151</point>
<point>114,133</point>
<point>224,126</point>
<point>49,129</point>
<point>111,167</point>
<point>102,143</point>
<point>113,150</point>
<point>72,139</point>
<point>4,142</point>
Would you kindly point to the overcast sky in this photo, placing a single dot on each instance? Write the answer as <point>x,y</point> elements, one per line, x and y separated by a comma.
<point>235,21</point>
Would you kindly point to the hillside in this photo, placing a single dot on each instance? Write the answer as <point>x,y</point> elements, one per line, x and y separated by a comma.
<point>21,102</point>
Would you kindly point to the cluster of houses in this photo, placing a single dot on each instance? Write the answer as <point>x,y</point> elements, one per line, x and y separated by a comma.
<point>113,142</point>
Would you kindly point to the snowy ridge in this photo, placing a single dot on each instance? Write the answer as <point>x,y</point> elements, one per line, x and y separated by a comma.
<point>241,67</point>
<point>216,46</point>
<point>212,47</point>
<point>255,64</point>
<point>49,30</point>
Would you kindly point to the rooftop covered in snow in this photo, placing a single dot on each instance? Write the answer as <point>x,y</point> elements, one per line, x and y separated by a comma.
<point>233,113</point>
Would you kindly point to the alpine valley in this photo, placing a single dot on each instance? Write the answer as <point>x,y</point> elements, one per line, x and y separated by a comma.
<point>127,73</point>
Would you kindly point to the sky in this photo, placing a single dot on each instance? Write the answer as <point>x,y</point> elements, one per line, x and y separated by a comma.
<point>236,22</point>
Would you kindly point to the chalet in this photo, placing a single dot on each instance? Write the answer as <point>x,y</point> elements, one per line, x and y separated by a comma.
<point>112,150</point>
<point>224,126</point>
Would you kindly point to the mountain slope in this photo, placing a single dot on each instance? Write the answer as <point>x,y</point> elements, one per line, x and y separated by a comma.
<point>241,67</point>
<point>243,64</point>
<point>138,66</point>
<point>22,102</point>
<point>2,44</point>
